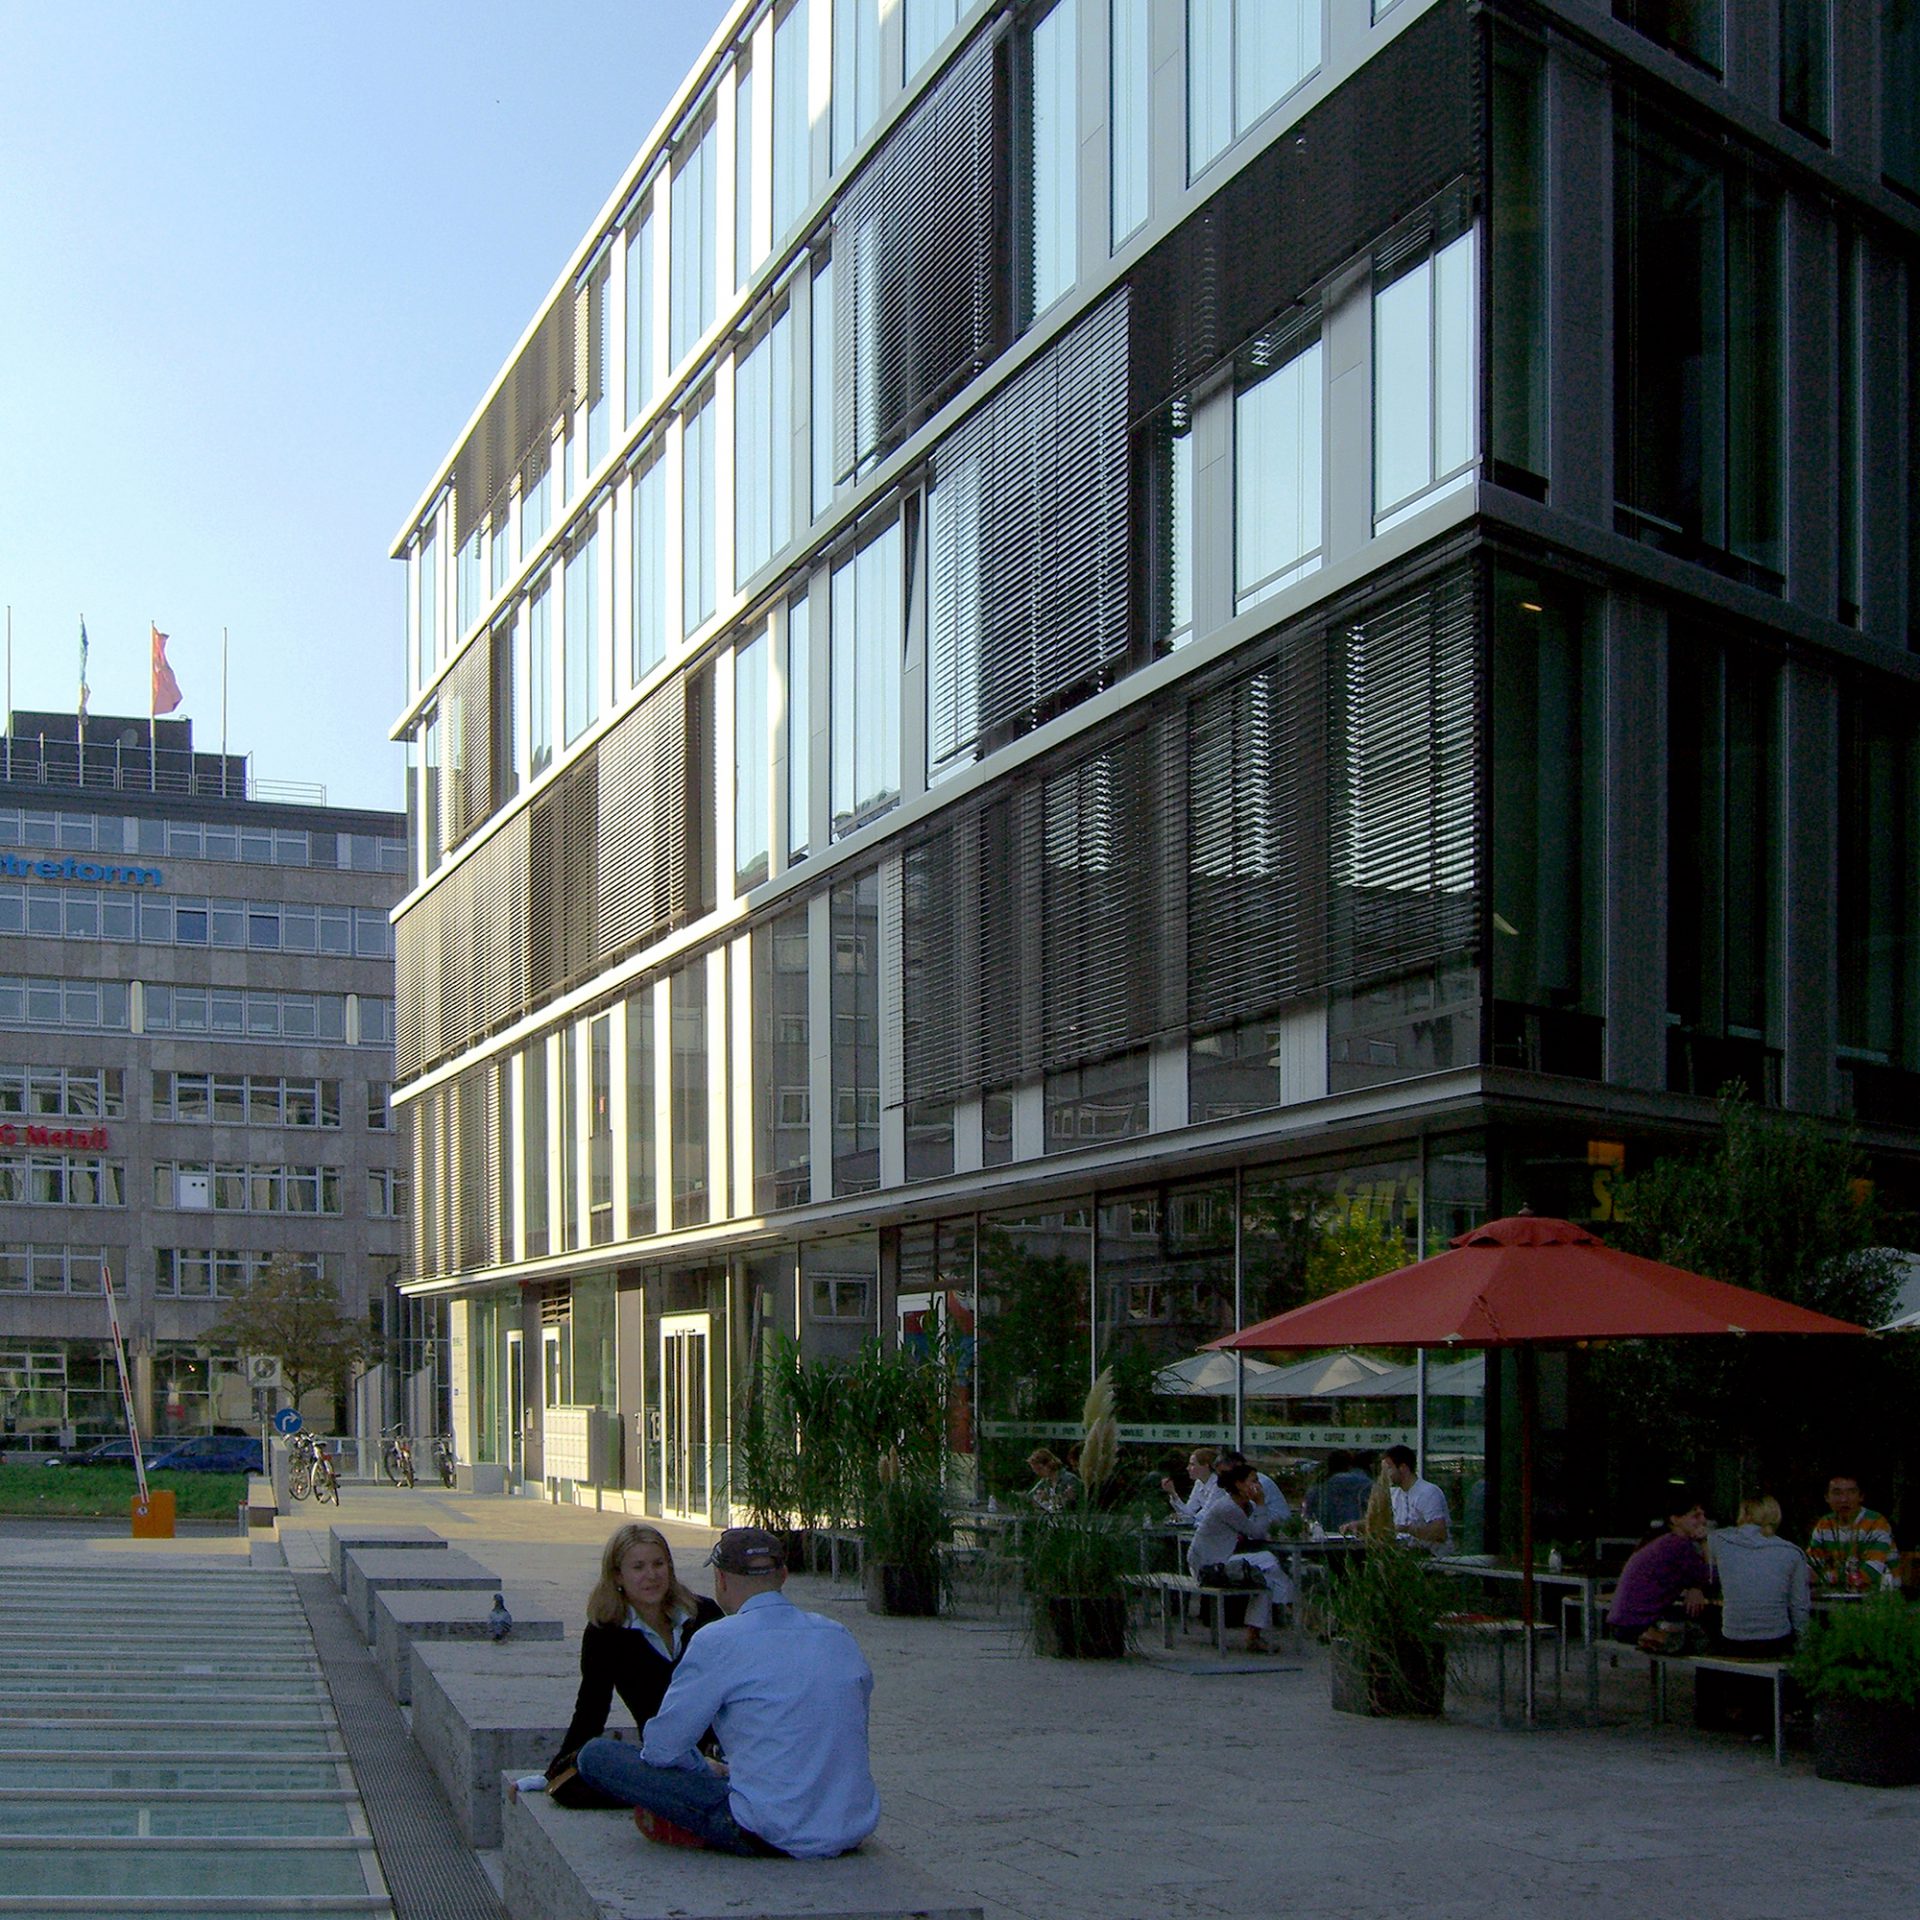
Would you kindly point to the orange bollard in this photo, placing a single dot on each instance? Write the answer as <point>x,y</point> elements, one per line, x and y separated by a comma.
<point>153,1517</point>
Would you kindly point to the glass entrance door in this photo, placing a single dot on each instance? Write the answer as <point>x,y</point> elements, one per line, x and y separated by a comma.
<point>685,1415</point>
<point>516,1404</point>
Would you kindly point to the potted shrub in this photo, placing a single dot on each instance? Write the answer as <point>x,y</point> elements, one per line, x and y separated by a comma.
<point>906,1524</point>
<point>1861,1669</point>
<point>1075,1559</point>
<point>1387,1654</point>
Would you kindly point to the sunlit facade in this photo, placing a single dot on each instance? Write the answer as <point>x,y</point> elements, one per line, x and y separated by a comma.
<point>1096,652</point>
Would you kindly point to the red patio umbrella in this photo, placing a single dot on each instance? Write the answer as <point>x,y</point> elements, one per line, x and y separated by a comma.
<point>1529,1282</point>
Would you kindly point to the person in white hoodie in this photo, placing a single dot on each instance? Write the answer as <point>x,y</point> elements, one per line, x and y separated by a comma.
<point>1765,1585</point>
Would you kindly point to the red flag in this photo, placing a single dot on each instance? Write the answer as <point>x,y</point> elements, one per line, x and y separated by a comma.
<point>166,689</point>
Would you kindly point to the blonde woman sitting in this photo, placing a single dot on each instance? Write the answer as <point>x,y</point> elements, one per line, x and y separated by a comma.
<point>640,1616</point>
<point>1766,1587</point>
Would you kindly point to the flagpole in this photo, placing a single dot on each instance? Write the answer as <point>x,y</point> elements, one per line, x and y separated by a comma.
<point>223,713</point>
<point>9,693</point>
<point>153,730</point>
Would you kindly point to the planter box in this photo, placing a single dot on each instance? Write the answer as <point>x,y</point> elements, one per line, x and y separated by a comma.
<point>1412,1682</point>
<point>910,1592</point>
<point>1867,1743</point>
<point>1080,1626</point>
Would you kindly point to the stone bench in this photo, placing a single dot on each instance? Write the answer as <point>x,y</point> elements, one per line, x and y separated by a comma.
<point>405,1615</point>
<point>393,1539</point>
<point>372,1570</point>
<point>594,1866</point>
<point>480,1709</point>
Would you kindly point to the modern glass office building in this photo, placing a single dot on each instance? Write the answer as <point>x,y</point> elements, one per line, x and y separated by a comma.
<point>1093,652</point>
<point>196,1057</point>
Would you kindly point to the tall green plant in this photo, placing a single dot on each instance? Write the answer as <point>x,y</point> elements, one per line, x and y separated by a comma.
<point>1866,1652</point>
<point>1079,1550</point>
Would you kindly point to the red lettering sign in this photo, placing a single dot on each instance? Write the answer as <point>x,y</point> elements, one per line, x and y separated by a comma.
<point>83,1139</point>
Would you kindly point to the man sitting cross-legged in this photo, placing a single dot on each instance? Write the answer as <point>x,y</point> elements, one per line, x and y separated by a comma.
<point>786,1692</point>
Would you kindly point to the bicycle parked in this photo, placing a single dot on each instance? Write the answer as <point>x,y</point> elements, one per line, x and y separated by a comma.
<point>396,1454</point>
<point>443,1459</point>
<point>310,1470</point>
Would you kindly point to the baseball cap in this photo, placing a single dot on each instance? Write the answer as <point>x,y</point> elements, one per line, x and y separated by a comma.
<point>747,1550</point>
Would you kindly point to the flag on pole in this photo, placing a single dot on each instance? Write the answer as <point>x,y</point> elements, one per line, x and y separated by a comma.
<point>166,689</point>
<point>83,668</point>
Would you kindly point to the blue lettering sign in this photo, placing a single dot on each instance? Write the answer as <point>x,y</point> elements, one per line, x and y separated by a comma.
<point>18,867</point>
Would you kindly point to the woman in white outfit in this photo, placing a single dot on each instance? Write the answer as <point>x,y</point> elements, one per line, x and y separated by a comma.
<point>1235,1519</point>
<point>1200,1467</point>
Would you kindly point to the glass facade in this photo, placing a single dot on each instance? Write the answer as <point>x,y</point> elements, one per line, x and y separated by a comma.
<point>1108,762</point>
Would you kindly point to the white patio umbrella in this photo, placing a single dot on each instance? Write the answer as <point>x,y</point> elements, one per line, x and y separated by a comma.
<point>1321,1378</point>
<point>1208,1373</point>
<point>1906,1317</point>
<point>1463,1378</point>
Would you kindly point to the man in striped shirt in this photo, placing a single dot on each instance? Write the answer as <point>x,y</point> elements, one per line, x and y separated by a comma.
<point>1852,1549</point>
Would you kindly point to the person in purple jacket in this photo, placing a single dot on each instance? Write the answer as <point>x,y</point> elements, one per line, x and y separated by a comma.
<point>1667,1578</point>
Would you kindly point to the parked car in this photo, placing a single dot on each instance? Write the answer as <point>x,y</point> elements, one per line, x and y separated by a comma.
<point>107,1453</point>
<point>207,1453</point>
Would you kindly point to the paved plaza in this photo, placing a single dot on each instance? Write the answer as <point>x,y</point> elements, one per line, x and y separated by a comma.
<point>1178,1785</point>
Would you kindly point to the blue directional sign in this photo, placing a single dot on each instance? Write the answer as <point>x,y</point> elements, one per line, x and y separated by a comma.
<point>287,1420</point>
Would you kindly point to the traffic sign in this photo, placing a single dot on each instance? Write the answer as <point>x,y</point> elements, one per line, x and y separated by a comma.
<point>262,1371</point>
<point>287,1420</point>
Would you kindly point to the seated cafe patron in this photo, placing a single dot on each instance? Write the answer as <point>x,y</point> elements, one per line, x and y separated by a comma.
<point>1852,1548</point>
<point>1665,1583</point>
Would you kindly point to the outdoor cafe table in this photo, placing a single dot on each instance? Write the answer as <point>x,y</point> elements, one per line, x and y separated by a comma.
<point>1584,1585</point>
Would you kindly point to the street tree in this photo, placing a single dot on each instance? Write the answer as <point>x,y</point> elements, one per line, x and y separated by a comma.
<point>293,1313</point>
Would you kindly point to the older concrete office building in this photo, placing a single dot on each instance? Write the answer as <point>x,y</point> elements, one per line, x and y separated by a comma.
<point>1094,649</point>
<point>196,1045</point>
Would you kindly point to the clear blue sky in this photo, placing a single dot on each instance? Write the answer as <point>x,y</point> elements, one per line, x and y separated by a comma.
<point>258,263</point>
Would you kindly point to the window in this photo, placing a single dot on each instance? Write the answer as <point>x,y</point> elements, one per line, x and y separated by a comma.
<point>82,1005</point>
<point>799,727</point>
<point>752,747</point>
<point>581,666</point>
<point>1243,56</point>
<point>745,257</point>
<point>427,607</point>
<point>499,549</point>
<point>866,638</point>
<point>537,1180</point>
<point>824,389</point>
<point>642,275</point>
<point>1107,1101</point>
<point>697,510</point>
<point>1172,490</point>
<point>593,309</point>
<point>1849,448</point>
<point>1518,345</point>
<point>928,23</point>
<point>1423,381</point>
<point>386,1193</point>
<point>540,679</point>
<point>376,1021</point>
<point>1698,350</point>
<point>793,180</point>
<point>1806,66</point>
<point>468,575</point>
<point>642,1205</point>
<point>1276,471</point>
<point>648,539</point>
<point>856,73</point>
<point>688,999</point>
<point>600,1131</point>
<point>782,1138</point>
<point>379,1106</point>
<point>1723,882</point>
<point>855,990</point>
<point>1053,157</point>
<point>1130,125</point>
<point>693,227</point>
<point>1547,801</point>
<point>1690,28</point>
<point>1879,894</point>
<point>536,498</point>
<point>763,449</point>
<point>1900,92</point>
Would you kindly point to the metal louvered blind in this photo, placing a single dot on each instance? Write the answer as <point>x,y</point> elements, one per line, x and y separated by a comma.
<point>914,248</point>
<point>1403,781</point>
<point>1256,781</point>
<point>1310,202</point>
<point>467,728</point>
<point>562,839</point>
<point>643,839</point>
<point>1302,822</point>
<point>517,419</point>
<point>1028,563</point>
<point>473,1172</point>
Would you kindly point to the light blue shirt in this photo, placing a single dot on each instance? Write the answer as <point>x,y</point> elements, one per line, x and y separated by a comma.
<point>787,1693</point>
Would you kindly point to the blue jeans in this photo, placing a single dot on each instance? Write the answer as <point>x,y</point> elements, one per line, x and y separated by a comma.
<point>691,1797</point>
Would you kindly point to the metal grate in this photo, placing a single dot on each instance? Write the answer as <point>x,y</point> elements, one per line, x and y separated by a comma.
<point>429,1871</point>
